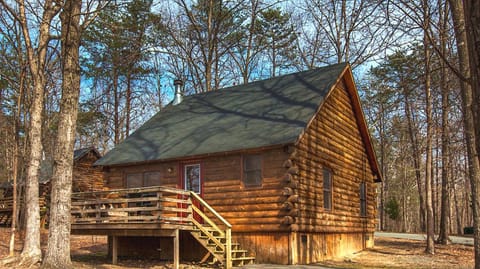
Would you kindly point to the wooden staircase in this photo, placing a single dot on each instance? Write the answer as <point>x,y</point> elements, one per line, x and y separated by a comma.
<point>217,239</point>
<point>162,210</point>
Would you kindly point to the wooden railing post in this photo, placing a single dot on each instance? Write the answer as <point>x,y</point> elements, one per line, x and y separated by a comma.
<point>228,248</point>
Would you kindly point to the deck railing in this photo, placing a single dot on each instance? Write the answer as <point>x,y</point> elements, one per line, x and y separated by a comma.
<point>139,206</point>
<point>216,229</point>
<point>134,205</point>
<point>6,204</point>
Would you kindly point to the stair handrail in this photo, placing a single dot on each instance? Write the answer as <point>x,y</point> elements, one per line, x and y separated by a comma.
<point>228,229</point>
<point>215,213</point>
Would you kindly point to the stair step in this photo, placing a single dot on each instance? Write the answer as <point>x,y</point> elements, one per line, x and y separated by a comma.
<point>243,258</point>
<point>208,238</point>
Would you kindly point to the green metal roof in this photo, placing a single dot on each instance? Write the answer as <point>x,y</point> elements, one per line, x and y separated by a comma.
<point>259,114</point>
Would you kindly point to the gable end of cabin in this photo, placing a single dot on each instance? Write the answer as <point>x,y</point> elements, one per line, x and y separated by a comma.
<point>335,183</point>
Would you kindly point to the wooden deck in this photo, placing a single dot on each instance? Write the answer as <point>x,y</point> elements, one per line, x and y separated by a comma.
<point>155,211</point>
<point>128,211</point>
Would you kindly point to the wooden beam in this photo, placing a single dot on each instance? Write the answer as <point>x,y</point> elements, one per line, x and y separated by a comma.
<point>176,250</point>
<point>293,259</point>
<point>228,248</point>
<point>114,249</point>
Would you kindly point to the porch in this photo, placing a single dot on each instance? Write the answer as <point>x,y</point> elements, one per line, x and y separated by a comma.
<point>156,211</point>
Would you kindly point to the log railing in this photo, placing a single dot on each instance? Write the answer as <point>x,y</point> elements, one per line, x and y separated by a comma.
<point>134,205</point>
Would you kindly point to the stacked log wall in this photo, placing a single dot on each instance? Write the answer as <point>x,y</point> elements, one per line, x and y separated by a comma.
<point>256,213</point>
<point>116,176</point>
<point>86,177</point>
<point>333,141</point>
<point>248,209</point>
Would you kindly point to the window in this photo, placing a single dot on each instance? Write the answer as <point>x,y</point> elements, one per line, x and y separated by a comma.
<point>147,179</point>
<point>363,199</point>
<point>327,189</point>
<point>135,180</point>
<point>151,179</point>
<point>192,178</point>
<point>139,180</point>
<point>252,170</point>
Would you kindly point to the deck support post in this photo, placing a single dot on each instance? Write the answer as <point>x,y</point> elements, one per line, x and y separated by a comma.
<point>114,249</point>
<point>176,250</point>
<point>228,248</point>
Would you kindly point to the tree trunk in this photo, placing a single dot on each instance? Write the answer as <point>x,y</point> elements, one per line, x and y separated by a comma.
<point>58,249</point>
<point>445,205</point>
<point>31,252</point>
<point>128,104</point>
<point>16,154</point>
<point>116,107</point>
<point>472,25</point>
<point>459,13</point>
<point>430,248</point>
<point>416,161</point>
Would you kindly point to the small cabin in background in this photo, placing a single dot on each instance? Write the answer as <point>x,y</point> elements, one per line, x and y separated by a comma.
<point>287,161</point>
<point>86,177</point>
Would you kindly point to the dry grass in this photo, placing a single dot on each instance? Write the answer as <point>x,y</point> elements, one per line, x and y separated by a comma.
<point>91,252</point>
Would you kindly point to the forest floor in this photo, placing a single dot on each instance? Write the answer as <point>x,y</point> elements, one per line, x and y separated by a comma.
<point>91,252</point>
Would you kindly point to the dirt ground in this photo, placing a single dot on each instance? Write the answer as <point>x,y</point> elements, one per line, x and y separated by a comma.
<point>91,251</point>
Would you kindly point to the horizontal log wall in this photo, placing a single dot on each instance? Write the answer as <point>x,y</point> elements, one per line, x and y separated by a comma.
<point>86,177</point>
<point>259,208</point>
<point>333,141</point>
<point>116,176</point>
<point>247,208</point>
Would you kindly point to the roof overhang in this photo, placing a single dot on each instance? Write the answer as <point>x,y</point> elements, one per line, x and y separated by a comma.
<point>200,156</point>
<point>347,75</point>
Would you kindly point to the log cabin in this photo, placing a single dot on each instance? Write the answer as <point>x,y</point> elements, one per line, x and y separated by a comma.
<point>287,163</point>
<point>86,177</point>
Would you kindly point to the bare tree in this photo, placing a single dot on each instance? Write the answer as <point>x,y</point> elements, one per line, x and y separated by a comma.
<point>344,31</point>
<point>36,55</point>
<point>445,197</point>
<point>58,250</point>
<point>428,111</point>
<point>464,42</point>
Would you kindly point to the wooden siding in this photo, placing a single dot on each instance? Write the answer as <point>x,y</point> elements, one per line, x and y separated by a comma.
<point>259,208</point>
<point>116,176</point>
<point>86,177</point>
<point>315,247</point>
<point>247,208</point>
<point>333,141</point>
<point>267,247</point>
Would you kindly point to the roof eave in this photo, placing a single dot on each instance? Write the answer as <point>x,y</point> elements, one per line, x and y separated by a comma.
<point>357,106</point>
<point>198,156</point>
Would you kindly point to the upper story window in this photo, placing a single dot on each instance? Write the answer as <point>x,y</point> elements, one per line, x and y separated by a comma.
<point>363,199</point>
<point>252,170</point>
<point>327,189</point>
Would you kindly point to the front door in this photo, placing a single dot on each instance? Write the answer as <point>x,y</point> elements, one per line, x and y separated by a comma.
<point>192,180</point>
